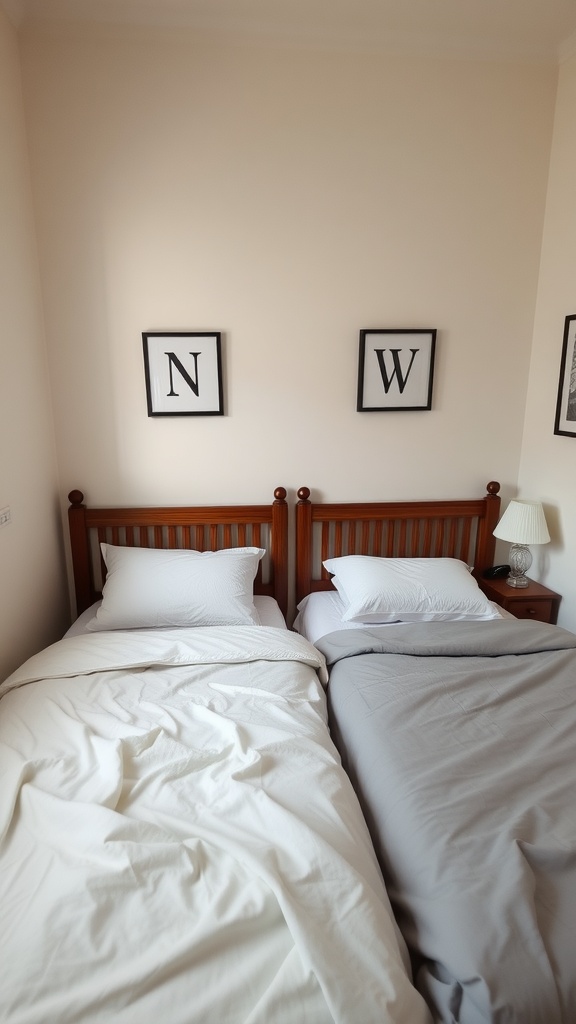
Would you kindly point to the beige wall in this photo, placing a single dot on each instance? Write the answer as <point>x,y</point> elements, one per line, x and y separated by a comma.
<point>33,607</point>
<point>288,198</point>
<point>548,465</point>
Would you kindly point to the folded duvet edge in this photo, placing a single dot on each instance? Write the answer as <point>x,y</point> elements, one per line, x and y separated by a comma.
<point>114,650</point>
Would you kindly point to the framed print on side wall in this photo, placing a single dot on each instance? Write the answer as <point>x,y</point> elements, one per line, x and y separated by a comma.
<point>565,422</point>
<point>395,370</point>
<point>183,373</point>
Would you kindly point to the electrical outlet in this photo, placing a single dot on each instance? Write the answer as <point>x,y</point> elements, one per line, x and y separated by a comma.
<point>5,516</point>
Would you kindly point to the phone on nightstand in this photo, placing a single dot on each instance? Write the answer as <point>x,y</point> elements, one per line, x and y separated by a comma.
<point>497,572</point>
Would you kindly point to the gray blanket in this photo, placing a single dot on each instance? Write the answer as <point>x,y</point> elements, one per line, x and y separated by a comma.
<point>461,742</point>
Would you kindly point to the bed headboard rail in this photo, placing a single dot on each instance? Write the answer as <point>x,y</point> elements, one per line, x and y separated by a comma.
<point>202,528</point>
<point>401,529</point>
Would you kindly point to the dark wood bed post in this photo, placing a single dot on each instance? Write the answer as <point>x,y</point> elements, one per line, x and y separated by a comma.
<point>80,551</point>
<point>303,543</point>
<point>279,548</point>
<point>486,542</point>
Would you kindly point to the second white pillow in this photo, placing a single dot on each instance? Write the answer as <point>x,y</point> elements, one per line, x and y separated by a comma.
<point>409,589</point>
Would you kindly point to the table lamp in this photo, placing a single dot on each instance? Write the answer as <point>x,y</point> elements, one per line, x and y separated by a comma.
<point>522,523</point>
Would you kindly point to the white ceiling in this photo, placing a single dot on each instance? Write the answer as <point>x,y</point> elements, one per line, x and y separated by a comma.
<point>491,28</point>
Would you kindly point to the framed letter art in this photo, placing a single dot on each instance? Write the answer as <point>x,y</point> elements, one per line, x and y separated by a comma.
<point>183,373</point>
<point>565,422</point>
<point>395,370</point>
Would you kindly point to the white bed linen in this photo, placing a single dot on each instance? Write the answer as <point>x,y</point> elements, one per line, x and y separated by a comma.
<point>321,613</point>
<point>178,842</point>
<point>267,611</point>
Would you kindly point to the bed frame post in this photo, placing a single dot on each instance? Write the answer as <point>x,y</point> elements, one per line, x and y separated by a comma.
<point>279,547</point>
<point>80,551</point>
<point>485,542</point>
<point>303,543</point>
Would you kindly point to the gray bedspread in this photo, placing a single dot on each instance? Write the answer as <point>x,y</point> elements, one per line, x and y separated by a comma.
<point>461,741</point>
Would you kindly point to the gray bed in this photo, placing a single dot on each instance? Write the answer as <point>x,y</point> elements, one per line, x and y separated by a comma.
<point>460,739</point>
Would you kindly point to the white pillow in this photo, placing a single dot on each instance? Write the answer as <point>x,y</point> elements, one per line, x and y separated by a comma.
<point>407,589</point>
<point>151,587</point>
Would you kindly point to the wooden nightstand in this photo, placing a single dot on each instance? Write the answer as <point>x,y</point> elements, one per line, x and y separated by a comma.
<point>531,602</point>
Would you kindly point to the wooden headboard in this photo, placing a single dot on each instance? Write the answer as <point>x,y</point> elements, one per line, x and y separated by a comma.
<point>400,529</point>
<point>202,528</point>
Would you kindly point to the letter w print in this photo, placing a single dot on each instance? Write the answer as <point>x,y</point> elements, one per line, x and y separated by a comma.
<point>183,373</point>
<point>395,370</point>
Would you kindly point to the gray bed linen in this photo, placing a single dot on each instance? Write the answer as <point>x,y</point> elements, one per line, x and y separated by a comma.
<point>460,739</point>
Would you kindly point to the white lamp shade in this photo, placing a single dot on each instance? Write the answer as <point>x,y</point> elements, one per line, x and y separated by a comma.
<point>523,523</point>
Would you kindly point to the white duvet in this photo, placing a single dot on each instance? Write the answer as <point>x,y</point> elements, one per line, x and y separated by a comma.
<point>179,844</point>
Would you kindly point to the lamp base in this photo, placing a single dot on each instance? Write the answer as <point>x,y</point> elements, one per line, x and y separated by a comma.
<point>520,561</point>
<point>518,581</point>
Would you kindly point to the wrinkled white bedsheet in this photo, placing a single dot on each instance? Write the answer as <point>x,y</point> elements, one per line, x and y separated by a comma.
<point>179,844</point>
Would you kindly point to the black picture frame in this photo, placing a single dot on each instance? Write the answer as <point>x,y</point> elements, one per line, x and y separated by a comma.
<point>183,372</point>
<point>396,369</point>
<point>565,421</point>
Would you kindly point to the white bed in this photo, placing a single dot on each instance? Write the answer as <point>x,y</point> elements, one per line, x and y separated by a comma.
<point>178,840</point>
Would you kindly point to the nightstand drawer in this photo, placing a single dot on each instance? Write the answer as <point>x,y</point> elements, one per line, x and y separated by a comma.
<point>542,611</point>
